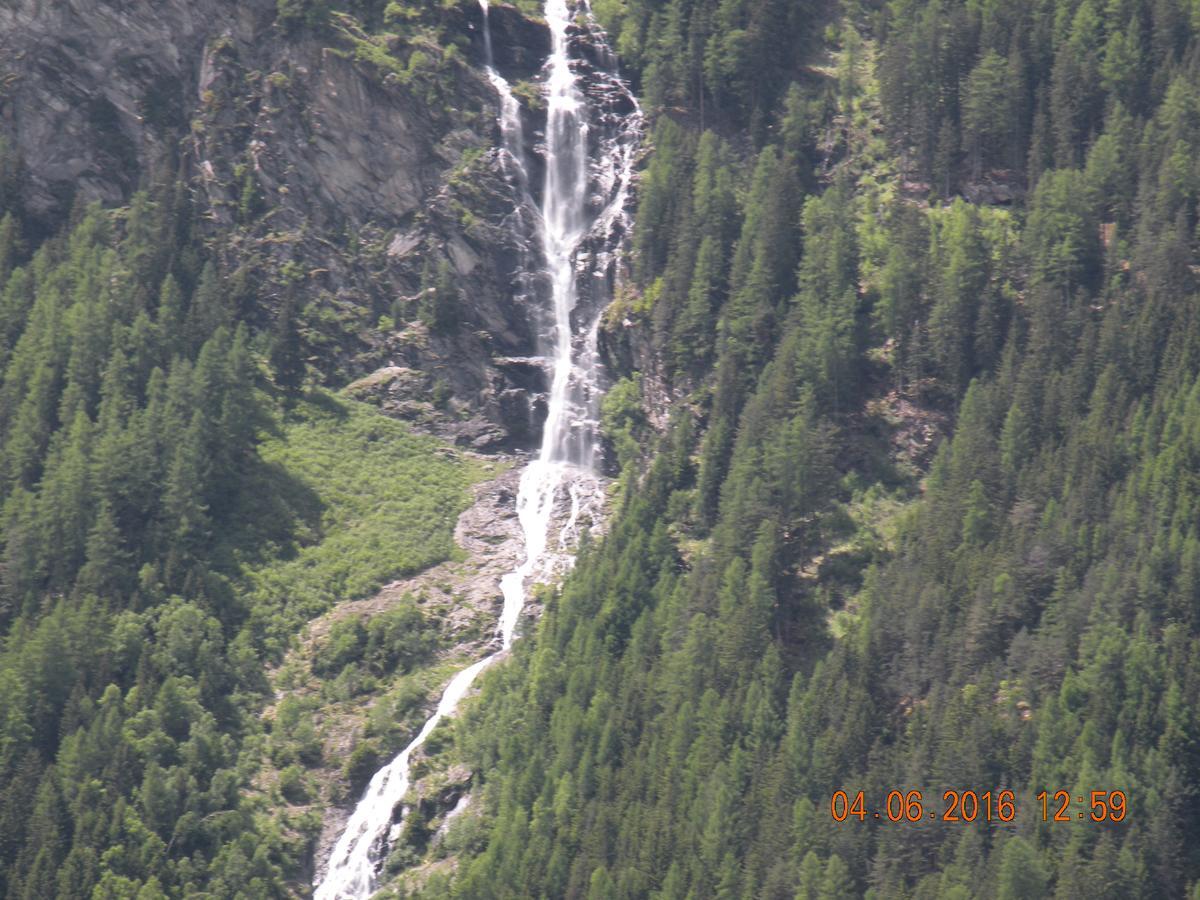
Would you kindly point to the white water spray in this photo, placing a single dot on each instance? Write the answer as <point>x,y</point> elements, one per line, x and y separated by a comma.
<point>578,206</point>
<point>512,138</point>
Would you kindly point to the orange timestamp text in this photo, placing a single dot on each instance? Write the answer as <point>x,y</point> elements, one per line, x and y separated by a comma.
<point>979,806</point>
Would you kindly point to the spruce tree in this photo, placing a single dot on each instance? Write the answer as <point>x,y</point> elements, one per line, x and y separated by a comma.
<point>287,360</point>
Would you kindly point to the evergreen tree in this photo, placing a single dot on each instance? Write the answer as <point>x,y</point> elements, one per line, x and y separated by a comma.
<point>287,360</point>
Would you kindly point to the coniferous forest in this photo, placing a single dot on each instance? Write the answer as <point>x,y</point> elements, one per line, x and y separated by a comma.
<point>902,439</point>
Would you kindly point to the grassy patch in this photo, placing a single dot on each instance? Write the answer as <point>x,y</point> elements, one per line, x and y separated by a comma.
<point>386,504</point>
<point>871,525</point>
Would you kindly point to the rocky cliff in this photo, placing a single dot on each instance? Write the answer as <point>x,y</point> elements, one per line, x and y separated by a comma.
<point>343,168</point>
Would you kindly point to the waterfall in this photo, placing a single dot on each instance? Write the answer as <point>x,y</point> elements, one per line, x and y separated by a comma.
<point>512,137</point>
<point>592,128</point>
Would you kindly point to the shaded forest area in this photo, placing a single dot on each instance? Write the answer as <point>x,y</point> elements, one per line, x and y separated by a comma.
<point>130,405</point>
<point>174,507</point>
<point>784,606</point>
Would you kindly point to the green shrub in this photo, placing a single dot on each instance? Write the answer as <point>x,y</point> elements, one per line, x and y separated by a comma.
<point>293,14</point>
<point>622,419</point>
<point>389,713</point>
<point>364,761</point>
<point>395,639</point>
<point>378,503</point>
<point>292,786</point>
<point>440,738</point>
<point>341,648</point>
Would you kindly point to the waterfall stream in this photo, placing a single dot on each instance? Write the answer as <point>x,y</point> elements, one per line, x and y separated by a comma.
<point>592,128</point>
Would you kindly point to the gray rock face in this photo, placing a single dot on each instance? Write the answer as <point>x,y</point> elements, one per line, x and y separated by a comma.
<point>519,45</point>
<point>322,168</point>
<point>94,89</point>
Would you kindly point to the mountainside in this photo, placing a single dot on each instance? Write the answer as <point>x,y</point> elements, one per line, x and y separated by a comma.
<point>341,170</point>
<point>919,280</point>
<point>901,397</point>
<point>207,211</point>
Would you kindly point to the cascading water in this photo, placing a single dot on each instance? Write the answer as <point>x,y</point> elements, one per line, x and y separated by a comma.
<point>581,222</point>
<point>512,137</point>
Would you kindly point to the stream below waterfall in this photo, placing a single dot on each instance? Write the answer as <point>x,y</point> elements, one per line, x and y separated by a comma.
<point>592,129</point>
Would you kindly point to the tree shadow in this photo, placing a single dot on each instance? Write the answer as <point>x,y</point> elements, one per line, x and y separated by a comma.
<point>274,513</point>
<point>327,403</point>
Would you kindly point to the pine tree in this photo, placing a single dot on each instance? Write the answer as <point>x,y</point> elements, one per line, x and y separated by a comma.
<point>440,307</point>
<point>693,338</point>
<point>1022,876</point>
<point>187,524</point>
<point>37,865</point>
<point>987,112</point>
<point>836,883</point>
<point>208,309</point>
<point>64,501</point>
<point>287,360</point>
<point>105,572</point>
<point>170,318</point>
<point>10,245</point>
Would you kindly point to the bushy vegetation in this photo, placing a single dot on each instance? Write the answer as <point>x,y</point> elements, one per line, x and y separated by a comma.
<point>387,500</point>
<point>293,14</point>
<point>392,640</point>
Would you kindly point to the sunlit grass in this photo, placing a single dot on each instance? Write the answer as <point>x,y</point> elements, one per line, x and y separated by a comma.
<point>381,503</point>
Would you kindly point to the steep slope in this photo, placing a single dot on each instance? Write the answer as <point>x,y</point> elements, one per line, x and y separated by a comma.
<point>796,595</point>
<point>319,194</point>
<point>343,170</point>
<point>593,127</point>
<point>168,522</point>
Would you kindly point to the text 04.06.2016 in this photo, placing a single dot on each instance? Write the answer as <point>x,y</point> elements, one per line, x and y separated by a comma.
<point>980,806</point>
